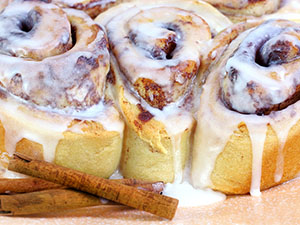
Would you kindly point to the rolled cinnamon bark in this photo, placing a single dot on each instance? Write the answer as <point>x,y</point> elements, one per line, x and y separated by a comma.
<point>26,185</point>
<point>143,200</point>
<point>53,198</point>
<point>47,201</point>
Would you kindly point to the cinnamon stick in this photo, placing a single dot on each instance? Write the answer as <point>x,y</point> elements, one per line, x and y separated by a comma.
<point>160,205</point>
<point>54,200</point>
<point>25,185</point>
<point>46,201</point>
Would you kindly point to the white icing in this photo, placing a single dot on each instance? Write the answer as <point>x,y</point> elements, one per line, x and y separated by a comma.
<point>216,124</point>
<point>47,128</point>
<point>136,38</point>
<point>73,3</point>
<point>175,120</point>
<point>40,42</point>
<point>60,74</point>
<point>189,196</point>
<point>277,81</point>
<point>177,162</point>
<point>15,118</point>
<point>257,135</point>
<point>215,20</point>
<point>12,175</point>
<point>136,60</point>
<point>51,78</point>
<point>237,4</point>
<point>116,175</point>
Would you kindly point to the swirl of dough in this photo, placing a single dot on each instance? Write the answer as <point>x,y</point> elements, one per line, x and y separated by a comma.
<point>54,102</point>
<point>157,47</point>
<point>239,10</point>
<point>262,74</point>
<point>70,61</point>
<point>246,138</point>
<point>91,7</point>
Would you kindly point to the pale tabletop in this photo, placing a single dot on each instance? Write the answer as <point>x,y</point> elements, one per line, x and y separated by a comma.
<point>279,205</point>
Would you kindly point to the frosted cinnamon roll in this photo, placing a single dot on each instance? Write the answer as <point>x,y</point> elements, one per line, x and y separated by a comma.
<point>246,139</point>
<point>53,67</point>
<point>239,10</point>
<point>156,52</point>
<point>91,7</point>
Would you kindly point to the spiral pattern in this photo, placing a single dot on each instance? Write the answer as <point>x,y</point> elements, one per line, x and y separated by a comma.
<point>157,50</point>
<point>246,138</point>
<point>70,61</point>
<point>157,46</point>
<point>91,7</point>
<point>53,68</point>
<point>262,74</point>
<point>246,7</point>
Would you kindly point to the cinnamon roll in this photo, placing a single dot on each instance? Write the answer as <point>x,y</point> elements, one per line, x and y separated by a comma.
<point>155,56</point>
<point>246,138</point>
<point>239,10</point>
<point>91,7</point>
<point>53,67</point>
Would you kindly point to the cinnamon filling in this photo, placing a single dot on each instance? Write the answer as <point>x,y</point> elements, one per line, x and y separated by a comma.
<point>69,54</point>
<point>263,73</point>
<point>158,51</point>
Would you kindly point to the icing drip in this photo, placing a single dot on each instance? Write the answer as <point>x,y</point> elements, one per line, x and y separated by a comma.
<point>217,123</point>
<point>158,45</point>
<point>176,121</point>
<point>251,8</point>
<point>48,130</point>
<point>176,141</point>
<point>163,72</point>
<point>22,31</point>
<point>92,7</point>
<point>44,96</point>
<point>267,51</point>
<point>257,135</point>
<point>189,196</point>
<point>75,78</point>
<point>83,3</point>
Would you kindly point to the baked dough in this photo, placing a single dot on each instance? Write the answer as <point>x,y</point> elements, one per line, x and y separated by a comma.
<point>54,104</point>
<point>237,149</point>
<point>156,49</point>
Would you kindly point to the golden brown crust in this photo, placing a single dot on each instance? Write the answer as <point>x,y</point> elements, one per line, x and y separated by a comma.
<point>239,11</point>
<point>95,152</point>
<point>92,7</point>
<point>65,115</point>
<point>148,149</point>
<point>236,168</point>
<point>156,76</point>
<point>233,167</point>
